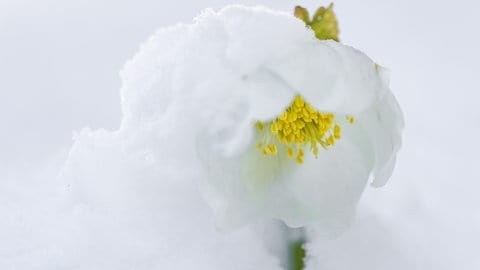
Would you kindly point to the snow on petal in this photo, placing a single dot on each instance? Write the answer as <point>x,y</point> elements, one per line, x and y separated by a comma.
<point>241,65</point>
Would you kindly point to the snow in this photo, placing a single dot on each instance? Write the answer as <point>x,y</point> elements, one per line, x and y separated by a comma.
<point>426,217</point>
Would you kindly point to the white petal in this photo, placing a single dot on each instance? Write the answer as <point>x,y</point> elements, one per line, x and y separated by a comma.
<point>384,125</point>
<point>323,190</point>
<point>327,188</point>
<point>331,76</point>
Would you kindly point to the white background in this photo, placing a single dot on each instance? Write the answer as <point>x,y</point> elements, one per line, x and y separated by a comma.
<point>59,64</point>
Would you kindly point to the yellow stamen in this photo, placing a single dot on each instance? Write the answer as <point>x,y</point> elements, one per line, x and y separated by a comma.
<point>337,132</point>
<point>300,124</point>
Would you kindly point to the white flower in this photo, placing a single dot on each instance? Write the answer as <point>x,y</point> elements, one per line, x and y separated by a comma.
<point>280,124</point>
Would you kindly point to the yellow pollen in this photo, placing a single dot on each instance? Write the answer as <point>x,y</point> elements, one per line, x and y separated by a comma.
<point>298,126</point>
<point>299,160</point>
<point>290,153</point>
<point>351,119</point>
<point>260,126</point>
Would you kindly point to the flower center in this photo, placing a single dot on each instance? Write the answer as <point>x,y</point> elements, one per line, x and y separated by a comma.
<point>299,125</point>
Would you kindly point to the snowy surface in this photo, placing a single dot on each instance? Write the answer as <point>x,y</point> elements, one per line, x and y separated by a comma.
<point>59,65</point>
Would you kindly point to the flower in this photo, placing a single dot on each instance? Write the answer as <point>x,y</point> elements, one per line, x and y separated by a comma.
<point>278,123</point>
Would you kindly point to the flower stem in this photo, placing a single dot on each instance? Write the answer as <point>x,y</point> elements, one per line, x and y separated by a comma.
<point>296,239</point>
<point>297,254</point>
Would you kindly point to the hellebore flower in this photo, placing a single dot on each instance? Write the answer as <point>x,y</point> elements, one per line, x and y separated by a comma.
<point>280,123</point>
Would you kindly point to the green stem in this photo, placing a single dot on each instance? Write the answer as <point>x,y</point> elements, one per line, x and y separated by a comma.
<point>297,254</point>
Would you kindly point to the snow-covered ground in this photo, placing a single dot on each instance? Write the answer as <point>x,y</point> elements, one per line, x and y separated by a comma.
<point>59,64</point>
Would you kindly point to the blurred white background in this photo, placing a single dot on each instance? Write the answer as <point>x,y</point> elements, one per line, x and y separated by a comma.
<point>59,64</point>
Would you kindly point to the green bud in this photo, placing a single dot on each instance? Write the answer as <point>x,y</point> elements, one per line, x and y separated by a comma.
<point>325,24</point>
<point>302,14</point>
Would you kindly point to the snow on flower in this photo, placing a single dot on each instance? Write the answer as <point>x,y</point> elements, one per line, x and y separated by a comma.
<point>278,123</point>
